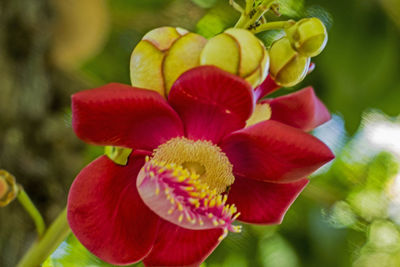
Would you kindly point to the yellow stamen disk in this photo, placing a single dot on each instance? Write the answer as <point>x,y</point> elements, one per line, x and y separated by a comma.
<point>201,158</point>
<point>201,222</point>
<point>215,222</point>
<point>180,218</point>
<point>261,113</point>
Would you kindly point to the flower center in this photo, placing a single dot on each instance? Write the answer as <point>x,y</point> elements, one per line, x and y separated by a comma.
<point>200,157</point>
<point>185,183</point>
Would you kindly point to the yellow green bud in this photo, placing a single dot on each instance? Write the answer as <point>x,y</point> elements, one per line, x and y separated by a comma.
<point>8,188</point>
<point>288,67</point>
<point>162,56</point>
<point>239,52</point>
<point>308,36</point>
<point>119,155</point>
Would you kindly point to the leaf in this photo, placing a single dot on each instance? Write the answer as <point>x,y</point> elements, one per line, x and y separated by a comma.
<point>216,20</point>
<point>205,3</point>
<point>71,253</point>
<point>268,37</point>
<point>291,8</point>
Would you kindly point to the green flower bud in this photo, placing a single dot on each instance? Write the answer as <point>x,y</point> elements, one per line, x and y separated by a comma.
<point>162,56</point>
<point>119,155</point>
<point>287,67</point>
<point>8,188</point>
<point>239,52</point>
<point>308,36</point>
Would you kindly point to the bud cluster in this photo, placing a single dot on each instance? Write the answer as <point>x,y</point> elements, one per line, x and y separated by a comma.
<point>165,53</point>
<point>291,55</point>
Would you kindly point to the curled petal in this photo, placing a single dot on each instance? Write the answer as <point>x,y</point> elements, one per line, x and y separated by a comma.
<point>107,215</point>
<point>180,197</point>
<point>263,202</point>
<point>176,246</point>
<point>301,109</point>
<point>273,151</point>
<point>268,86</point>
<point>121,115</point>
<point>211,102</point>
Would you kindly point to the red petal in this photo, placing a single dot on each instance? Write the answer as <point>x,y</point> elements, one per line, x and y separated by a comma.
<point>268,86</point>
<point>273,151</point>
<point>301,109</point>
<point>121,115</point>
<point>107,215</point>
<point>176,246</point>
<point>263,202</point>
<point>211,102</point>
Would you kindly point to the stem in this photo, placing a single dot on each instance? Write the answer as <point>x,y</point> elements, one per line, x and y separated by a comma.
<point>236,6</point>
<point>28,205</point>
<point>41,250</point>
<point>249,6</point>
<point>276,25</point>
<point>247,19</point>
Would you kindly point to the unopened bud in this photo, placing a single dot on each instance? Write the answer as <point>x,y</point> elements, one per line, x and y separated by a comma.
<point>239,52</point>
<point>119,155</point>
<point>8,188</point>
<point>308,36</point>
<point>162,56</point>
<point>288,67</point>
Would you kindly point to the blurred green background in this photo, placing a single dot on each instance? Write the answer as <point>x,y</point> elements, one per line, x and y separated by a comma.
<point>349,215</point>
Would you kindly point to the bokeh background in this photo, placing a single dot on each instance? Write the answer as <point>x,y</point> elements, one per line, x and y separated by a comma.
<point>349,215</point>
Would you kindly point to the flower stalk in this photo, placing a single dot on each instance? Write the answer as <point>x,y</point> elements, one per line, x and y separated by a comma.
<point>253,13</point>
<point>275,25</point>
<point>31,209</point>
<point>52,238</point>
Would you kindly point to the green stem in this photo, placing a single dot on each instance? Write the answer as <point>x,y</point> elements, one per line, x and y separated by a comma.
<point>28,205</point>
<point>249,6</point>
<point>276,25</point>
<point>249,18</point>
<point>42,249</point>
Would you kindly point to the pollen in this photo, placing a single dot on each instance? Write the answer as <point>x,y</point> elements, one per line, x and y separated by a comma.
<point>201,158</point>
<point>184,199</point>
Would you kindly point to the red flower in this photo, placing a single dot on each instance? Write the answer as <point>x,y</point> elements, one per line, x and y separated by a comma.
<point>166,215</point>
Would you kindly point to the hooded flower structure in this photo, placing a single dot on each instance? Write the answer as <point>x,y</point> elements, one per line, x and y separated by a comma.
<point>195,166</point>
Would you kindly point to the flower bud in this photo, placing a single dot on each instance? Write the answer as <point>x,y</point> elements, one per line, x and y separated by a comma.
<point>288,67</point>
<point>239,52</point>
<point>118,155</point>
<point>162,56</point>
<point>8,188</point>
<point>308,36</point>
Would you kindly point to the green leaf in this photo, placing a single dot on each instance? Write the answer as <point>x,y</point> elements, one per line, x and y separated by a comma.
<point>71,253</point>
<point>216,20</point>
<point>205,3</point>
<point>291,8</point>
<point>268,37</point>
